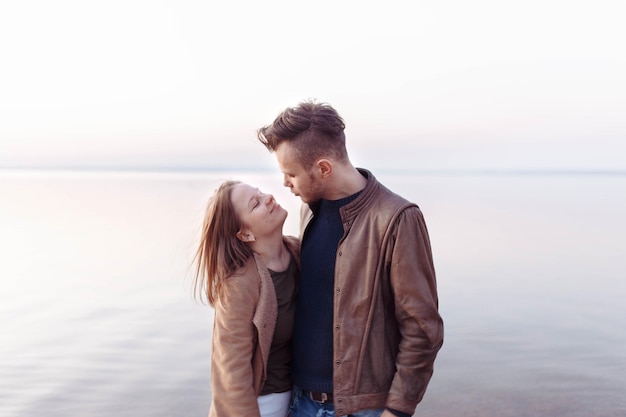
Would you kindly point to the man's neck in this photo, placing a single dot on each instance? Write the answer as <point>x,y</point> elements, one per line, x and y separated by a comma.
<point>347,180</point>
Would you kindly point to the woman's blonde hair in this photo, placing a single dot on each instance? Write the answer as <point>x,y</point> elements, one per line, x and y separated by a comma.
<point>220,252</point>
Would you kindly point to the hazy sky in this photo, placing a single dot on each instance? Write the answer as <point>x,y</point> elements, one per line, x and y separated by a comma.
<point>430,85</point>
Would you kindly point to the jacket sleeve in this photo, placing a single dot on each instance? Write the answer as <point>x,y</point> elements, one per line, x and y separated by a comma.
<point>412,277</point>
<point>232,380</point>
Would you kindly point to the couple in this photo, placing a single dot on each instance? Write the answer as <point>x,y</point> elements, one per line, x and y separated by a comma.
<point>344,322</point>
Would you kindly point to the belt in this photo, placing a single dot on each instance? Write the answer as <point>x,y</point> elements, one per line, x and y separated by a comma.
<point>320,397</point>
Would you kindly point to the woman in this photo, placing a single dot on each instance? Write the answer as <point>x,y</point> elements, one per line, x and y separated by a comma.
<point>248,271</point>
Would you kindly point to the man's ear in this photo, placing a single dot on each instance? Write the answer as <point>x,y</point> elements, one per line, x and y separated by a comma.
<point>325,167</point>
<point>245,236</point>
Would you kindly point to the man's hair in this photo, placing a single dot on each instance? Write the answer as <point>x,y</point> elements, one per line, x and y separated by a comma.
<point>315,130</point>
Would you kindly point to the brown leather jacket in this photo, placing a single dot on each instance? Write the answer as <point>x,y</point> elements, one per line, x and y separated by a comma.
<point>387,326</point>
<point>245,317</point>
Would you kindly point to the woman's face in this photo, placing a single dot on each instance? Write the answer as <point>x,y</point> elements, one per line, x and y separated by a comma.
<point>260,215</point>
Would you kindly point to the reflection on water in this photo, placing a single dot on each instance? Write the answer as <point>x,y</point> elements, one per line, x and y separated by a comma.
<point>96,317</point>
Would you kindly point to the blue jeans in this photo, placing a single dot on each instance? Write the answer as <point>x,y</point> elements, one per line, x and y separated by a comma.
<point>303,406</point>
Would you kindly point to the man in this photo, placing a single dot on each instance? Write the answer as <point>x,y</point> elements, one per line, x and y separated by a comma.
<point>367,327</point>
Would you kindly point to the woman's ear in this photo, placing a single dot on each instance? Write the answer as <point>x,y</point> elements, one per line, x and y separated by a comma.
<point>245,236</point>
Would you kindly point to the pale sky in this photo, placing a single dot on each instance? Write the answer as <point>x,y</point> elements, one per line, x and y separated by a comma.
<point>426,85</point>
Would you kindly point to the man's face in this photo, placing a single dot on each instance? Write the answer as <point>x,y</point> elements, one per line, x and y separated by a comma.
<point>304,183</point>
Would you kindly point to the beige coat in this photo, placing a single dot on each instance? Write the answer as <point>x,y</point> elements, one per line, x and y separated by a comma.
<point>245,317</point>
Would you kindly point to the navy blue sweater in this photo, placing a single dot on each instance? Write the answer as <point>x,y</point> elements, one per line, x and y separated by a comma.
<point>313,328</point>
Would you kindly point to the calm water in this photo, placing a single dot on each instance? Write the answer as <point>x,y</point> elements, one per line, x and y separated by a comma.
<point>96,316</point>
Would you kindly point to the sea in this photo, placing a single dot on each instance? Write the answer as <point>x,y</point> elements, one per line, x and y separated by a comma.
<point>98,318</point>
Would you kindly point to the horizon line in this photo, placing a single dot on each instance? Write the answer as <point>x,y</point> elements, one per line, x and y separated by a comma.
<point>260,169</point>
